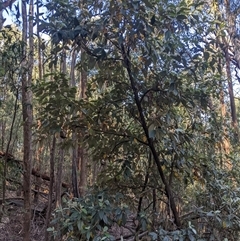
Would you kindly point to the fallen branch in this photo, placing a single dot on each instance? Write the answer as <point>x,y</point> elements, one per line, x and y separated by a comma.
<point>10,158</point>
<point>46,177</point>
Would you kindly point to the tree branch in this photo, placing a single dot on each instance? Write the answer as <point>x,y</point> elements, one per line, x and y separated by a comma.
<point>168,190</point>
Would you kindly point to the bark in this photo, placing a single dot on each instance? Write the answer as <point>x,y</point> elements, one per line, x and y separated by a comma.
<point>3,128</point>
<point>83,158</point>
<point>40,66</point>
<point>74,166</point>
<point>59,177</point>
<point>46,177</point>
<point>38,180</point>
<point>50,197</point>
<point>63,66</point>
<point>127,64</point>
<point>231,94</point>
<point>27,132</point>
<point>40,76</point>
<point>144,185</point>
<point>2,19</point>
<point>83,171</point>
<point>230,18</point>
<point>58,185</point>
<point>74,134</point>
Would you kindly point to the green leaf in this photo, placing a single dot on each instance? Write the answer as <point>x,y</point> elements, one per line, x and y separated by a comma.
<point>153,235</point>
<point>152,134</point>
<point>167,35</point>
<point>101,214</point>
<point>80,225</point>
<point>167,238</point>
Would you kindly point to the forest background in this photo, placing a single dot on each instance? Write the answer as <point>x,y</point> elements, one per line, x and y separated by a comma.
<point>119,120</point>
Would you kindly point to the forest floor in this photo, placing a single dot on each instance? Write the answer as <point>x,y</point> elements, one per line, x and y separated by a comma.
<point>12,221</point>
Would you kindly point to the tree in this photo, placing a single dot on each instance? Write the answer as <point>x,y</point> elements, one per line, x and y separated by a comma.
<point>152,117</point>
<point>27,65</point>
<point>153,87</point>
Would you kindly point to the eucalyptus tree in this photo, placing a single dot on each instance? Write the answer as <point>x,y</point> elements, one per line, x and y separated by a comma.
<point>228,12</point>
<point>26,81</point>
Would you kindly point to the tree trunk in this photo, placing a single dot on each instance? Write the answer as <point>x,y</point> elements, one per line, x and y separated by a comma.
<point>50,198</point>
<point>83,170</point>
<point>27,123</point>
<point>2,20</point>
<point>74,133</point>
<point>3,128</point>
<point>169,194</point>
<point>38,180</point>
<point>231,95</point>
<point>59,177</point>
<point>40,65</point>
<point>83,157</point>
<point>230,17</point>
<point>58,185</point>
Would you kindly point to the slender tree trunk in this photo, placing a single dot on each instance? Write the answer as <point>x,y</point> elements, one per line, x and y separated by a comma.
<point>58,185</point>
<point>74,134</point>
<point>2,20</point>
<point>127,63</point>
<point>3,124</point>
<point>3,128</point>
<point>40,65</point>
<point>231,94</point>
<point>50,194</point>
<point>74,166</point>
<point>83,170</point>
<point>38,180</point>
<point>27,124</point>
<point>63,64</point>
<point>59,176</point>
<point>83,157</point>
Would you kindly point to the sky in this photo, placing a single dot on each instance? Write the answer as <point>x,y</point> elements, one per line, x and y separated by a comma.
<point>8,17</point>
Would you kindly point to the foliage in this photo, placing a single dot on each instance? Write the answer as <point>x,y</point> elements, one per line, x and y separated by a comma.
<point>154,83</point>
<point>90,218</point>
<point>56,102</point>
<point>10,72</point>
<point>152,121</point>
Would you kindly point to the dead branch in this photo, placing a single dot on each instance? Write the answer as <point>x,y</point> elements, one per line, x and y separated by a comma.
<point>34,171</point>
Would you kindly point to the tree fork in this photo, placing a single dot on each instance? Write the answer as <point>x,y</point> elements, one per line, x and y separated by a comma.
<point>150,140</point>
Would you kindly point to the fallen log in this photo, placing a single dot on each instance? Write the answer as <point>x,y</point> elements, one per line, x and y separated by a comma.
<point>46,177</point>
<point>34,171</point>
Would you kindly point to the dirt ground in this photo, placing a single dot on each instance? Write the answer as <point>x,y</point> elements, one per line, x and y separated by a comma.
<point>12,223</point>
